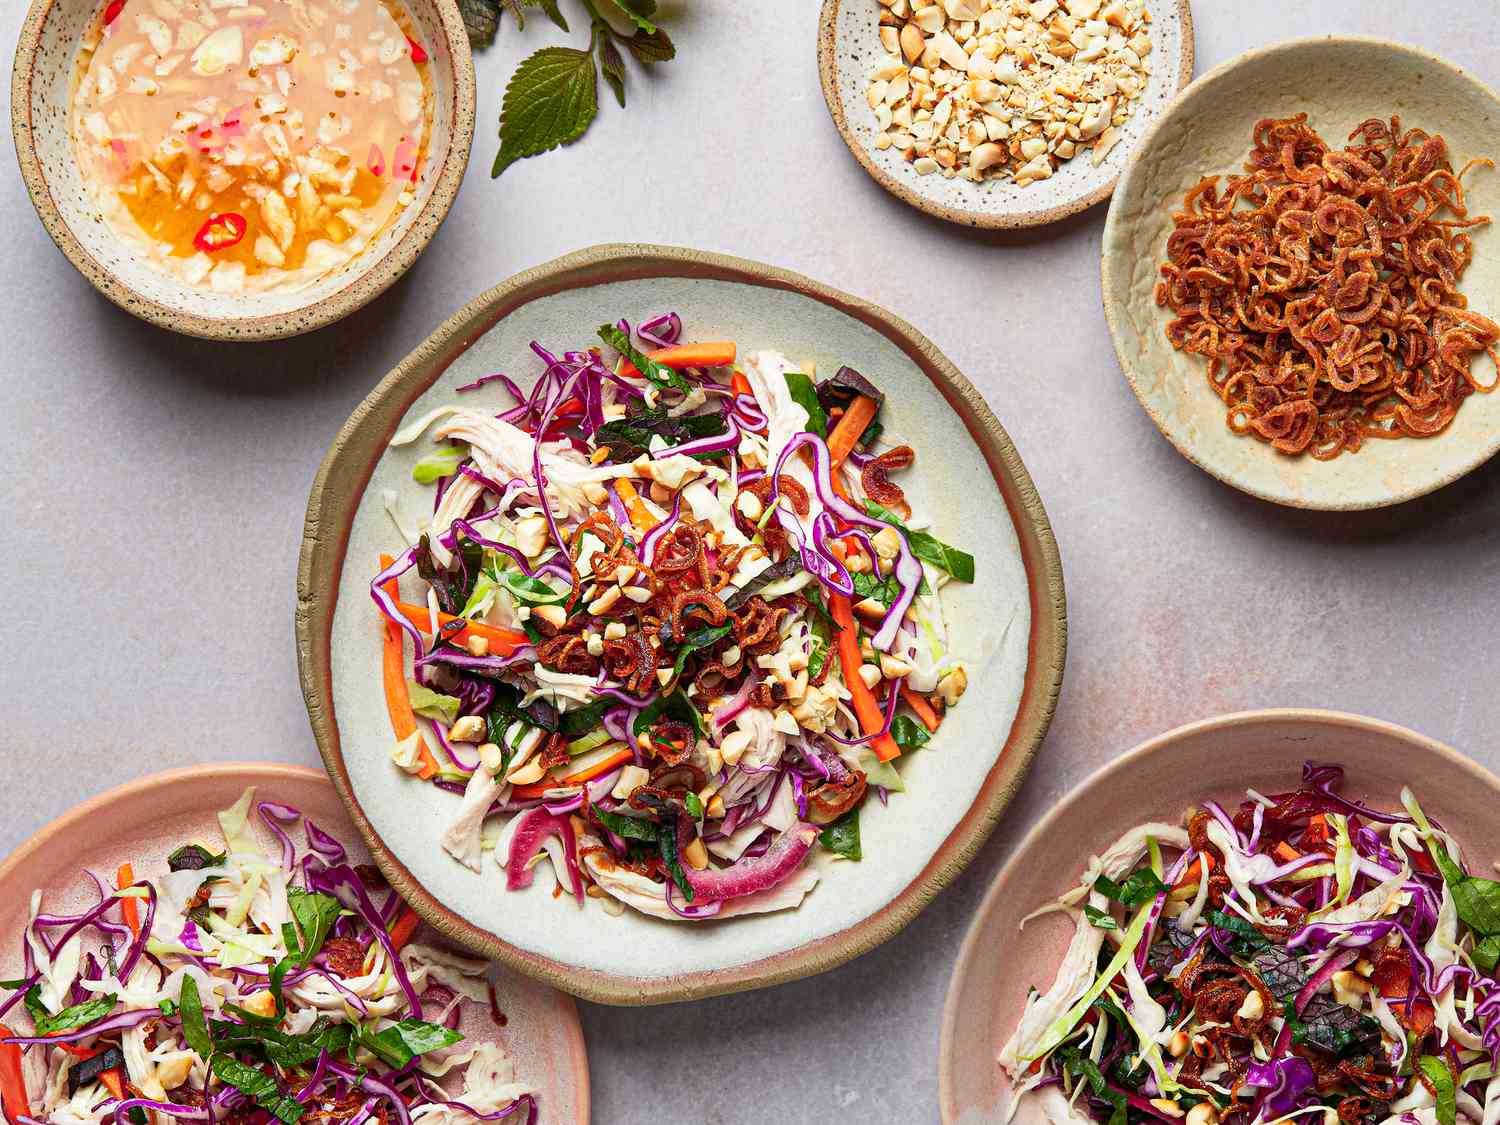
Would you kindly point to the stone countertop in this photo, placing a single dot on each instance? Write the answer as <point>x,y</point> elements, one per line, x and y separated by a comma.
<point>155,490</point>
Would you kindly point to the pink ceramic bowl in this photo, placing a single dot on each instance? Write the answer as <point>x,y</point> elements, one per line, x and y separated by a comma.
<point>142,821</point>
<point>1216,758</point>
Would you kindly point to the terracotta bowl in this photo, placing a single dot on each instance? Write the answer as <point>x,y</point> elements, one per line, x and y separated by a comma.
<point>1217,758</point>
<point>1339,82</point>
<point>848,46</point>
<point>144,820</point>
<point>1009,626</point>
<point>40,104</point>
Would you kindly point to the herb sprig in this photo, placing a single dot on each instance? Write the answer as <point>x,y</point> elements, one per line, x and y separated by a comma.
<point>553,96</point>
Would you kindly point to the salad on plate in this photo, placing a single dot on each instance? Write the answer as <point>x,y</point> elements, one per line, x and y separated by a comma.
<point>237,987</point>
<point>672,622</point>
<point>1301,957</point>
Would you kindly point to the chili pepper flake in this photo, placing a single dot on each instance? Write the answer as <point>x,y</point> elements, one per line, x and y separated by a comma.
<point>418,52</point>
<point>375,162</point>
<point>112,12</point>
<point>220,232</point>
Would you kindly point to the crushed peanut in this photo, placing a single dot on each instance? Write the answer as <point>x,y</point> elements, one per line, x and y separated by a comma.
<point>1006,89</point>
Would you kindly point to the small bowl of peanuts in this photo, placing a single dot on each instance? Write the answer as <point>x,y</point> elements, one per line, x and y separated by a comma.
<point>1000,113</point>
<point>242,171</point>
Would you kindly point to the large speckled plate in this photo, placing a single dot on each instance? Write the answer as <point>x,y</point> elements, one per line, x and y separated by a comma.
<point>142,821</point>
<point>1339,82</point>
<point>849,46</point>
<point>1214,759</point>
<point>1008,626</point>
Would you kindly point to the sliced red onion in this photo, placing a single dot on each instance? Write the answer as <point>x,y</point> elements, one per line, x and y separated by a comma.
<point>347,888</point>
<point>531,830</point>
<point>822,563</point>
<point>714,443</point>
<point>617,722</point>
<point>328,848</point>
<point>481,664</point>
<point>654,537</point>
<point>270,812</point>
<point>731,707</point>
<point>484,380</point>
<point>907,570</point>
<point>749,877</point>
<point>99,1027</point>
<point>749,414</point>
<point>691,913</point>
<point>1318,979</point>
<point>661,331</point>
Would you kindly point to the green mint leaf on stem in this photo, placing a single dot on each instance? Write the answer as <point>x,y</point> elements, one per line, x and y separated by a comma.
<point>612,66</point>
<point>637,11</point>
<point>658,373</point>
<point>653,48</point>
<point>551,100</point>
<point>550,7</point>
<point>481,20</point>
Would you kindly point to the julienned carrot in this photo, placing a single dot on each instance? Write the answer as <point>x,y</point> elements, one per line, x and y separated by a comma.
<point>397,696</point>
<point>871,719</point>
<point>12,1080</point>
<point>740,385</point>
<point>1286,853</point>
<point>709,353</point>
<point>503,642</point>
<point>924,710</point>
<point>640,515</point>
<point>404,926</point>
<point>1194,873</point>
<point>598,769</point>
<point>128,908</point>
<point>857,417</point>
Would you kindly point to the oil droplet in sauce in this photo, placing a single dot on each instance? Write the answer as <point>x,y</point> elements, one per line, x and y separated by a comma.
<point>252,143</point>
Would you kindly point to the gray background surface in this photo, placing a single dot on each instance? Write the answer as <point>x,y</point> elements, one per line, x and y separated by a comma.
<point>154,489</point>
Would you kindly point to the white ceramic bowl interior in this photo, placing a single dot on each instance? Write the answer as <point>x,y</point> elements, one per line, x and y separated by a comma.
<point>991,621</point>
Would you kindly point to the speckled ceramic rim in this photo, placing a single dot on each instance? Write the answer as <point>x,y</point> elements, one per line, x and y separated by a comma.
<point>367,280</point>
<point>828,71</point>
<point>157,788</point>
<point>1118,332</point>
<point>970,950</point>
<point>345,474</point>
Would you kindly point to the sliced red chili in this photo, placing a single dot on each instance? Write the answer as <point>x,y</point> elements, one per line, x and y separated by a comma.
<point>418,52</point>
<point>112,12</point>
<point>220,232</point>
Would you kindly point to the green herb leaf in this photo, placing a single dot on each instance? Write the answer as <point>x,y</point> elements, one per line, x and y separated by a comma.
<point>1247,939</point>
<point>315,915</point>
<point>694,805</point>
<point>530,591</point>
<point>1079,1065</point>
<point>612,66</point>
<point>638,10</point>
<point>79,1015</point>
<point>1099,919</point>
<point>842,836</point>
<point>928,548</point>
<point>805,395</point>
<point>553,14</point>
<point>168,1008</point>
<point>433,705</point>
<point>194,857</point>
<point>883,590</point>
<point>258,1085</point>
<point>443,462</point>
<point>1487,953</point>
<point>658,373</point>
<point>1443,1088</point>
<point>630,437</point>
<point>1280,969</point>
<point>667,841</point>
<point>194,1026</point>
<point>1139,887</point>
<point>627,827</point>
<point>260,1037</point>
<point>908,733</point>
<point>652,48</point>
<point>404,1041</point>
<point>700,639</point>
<point>481,20</point>
<point>1332,1027</point>
<point>675,706</point>
<point>581,720</point>
<point>550,101</point>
